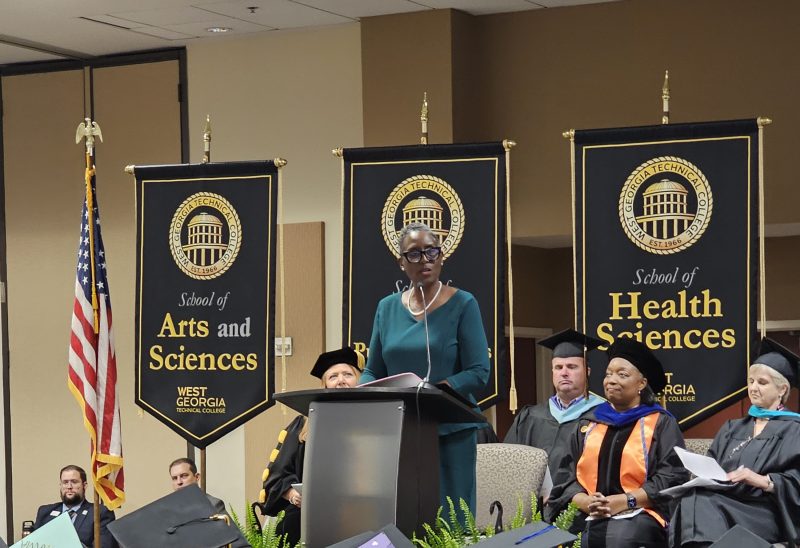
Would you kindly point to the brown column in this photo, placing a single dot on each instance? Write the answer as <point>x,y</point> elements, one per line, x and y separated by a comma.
<point>403,56</point>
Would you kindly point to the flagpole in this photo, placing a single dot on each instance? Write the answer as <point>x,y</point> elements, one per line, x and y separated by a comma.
<point>423,118</point>
<point>206,160</point>
<point>88,130</point>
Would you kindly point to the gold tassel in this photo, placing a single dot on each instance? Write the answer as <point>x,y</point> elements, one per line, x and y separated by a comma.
<point>512,400</point>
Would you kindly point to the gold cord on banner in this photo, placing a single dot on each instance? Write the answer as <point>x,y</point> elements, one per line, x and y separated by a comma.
<point>665,99</point>
<point>762,262</point>
<point>570,134</point>
<point>512,392</point>
<point>339,152</point>
<point>423,118</point>
<point>279,163</point>
<point>207,141</point>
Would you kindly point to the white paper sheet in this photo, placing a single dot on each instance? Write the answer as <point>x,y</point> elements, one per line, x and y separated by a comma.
<point>701,466</point>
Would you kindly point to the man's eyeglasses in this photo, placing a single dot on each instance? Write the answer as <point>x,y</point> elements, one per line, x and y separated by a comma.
<point>430,253</point>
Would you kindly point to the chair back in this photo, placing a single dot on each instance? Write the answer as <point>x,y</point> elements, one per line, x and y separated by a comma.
<point>698,446</point>
<point>508,473</point>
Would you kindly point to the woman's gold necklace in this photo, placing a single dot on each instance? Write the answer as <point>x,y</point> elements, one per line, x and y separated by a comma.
<point>433,300</point>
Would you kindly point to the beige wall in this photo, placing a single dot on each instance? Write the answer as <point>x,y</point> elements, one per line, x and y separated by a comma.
<point>295,95</point>
<point>44,191</point>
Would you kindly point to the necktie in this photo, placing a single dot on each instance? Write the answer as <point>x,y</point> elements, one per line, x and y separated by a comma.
<point>72,514</point>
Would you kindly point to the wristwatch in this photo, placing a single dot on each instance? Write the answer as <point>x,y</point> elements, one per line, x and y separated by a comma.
<point>631,500</point>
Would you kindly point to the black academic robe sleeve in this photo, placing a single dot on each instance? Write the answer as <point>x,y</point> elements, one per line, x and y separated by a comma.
<point>775,452</point>
<point>286,469</point>
<point>664,468</point>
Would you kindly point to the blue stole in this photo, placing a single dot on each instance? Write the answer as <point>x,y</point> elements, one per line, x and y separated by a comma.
<point>574,411</point>
<point>608,415</point>
<point>759,413</point>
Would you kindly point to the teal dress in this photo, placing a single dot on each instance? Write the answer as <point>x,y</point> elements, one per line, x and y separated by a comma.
<point>459,355</point>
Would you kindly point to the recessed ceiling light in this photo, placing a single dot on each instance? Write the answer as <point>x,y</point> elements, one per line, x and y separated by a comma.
<point>219,29</point>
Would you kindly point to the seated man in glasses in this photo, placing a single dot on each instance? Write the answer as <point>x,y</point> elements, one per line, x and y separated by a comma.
<point>73,501</point>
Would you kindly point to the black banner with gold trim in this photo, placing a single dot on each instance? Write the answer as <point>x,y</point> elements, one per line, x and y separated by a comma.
<point>205,285</point>
<point>666,251</point>
<point>458,190</point>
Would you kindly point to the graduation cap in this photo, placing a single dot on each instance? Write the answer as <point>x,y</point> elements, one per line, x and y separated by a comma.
<point>740,537</point>
<point>182,519</point>
<point>343,355</point>
<point>534,535</point>
<point>388,537</point>
<point>779,358</point>
<point>642,358</point>
<point>570,344</point>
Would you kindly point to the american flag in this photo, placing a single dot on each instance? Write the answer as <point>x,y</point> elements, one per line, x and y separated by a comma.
<point>92,362</point>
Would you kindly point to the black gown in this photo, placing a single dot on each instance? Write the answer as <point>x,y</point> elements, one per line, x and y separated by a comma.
<point>536,426</point>
<point>704,516</point>
<point>665,470</point>
<point>284,471</point>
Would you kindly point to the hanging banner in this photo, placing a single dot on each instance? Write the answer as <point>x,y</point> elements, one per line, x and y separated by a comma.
<point>205,285</point>
<point>457,190</point>
<point>666,251</point>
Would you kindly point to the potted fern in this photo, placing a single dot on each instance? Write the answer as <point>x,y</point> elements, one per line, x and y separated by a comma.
<point>258,536</point>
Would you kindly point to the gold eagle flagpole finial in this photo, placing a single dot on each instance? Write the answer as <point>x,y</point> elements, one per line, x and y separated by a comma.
<point>423,117</point>
<point>88,130</point>
<point>665,99</point>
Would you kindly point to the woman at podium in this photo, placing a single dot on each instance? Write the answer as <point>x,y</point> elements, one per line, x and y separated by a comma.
<point>458,349</point>
<point>761,454</point>
<point>336,369</point>
<point>620,460</point>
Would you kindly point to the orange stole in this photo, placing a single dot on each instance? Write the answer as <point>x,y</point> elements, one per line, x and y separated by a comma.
<point>633,465</point>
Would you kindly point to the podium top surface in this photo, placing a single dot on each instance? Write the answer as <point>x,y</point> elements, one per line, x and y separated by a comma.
<point>434,404</point>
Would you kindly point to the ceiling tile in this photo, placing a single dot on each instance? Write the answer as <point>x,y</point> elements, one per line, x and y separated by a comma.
<point>163,33</point>
<point>167,16</point>
<point>111,20</point>
<point>198,30</point>
<point>363,8</point>
<point>280,14</point>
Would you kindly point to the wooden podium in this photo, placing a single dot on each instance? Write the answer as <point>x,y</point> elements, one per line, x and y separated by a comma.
<point>372,458</point>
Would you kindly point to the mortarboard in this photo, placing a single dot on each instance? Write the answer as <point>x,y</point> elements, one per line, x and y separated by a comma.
<point>779,358</point>
<point>178,520</point>
<point>343,355</point>
<point>740,537</point>
<point>388,537</point>
<point>538,535</point>
<point>642,358</point>
<point>570,344</point>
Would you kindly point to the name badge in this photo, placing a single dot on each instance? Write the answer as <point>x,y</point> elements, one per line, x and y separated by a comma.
<point>55,513</point>
<point>85,512</point>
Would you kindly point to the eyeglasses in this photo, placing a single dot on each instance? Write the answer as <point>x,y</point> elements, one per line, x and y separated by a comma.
<point>67,483</point>
<point>415,255</point>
